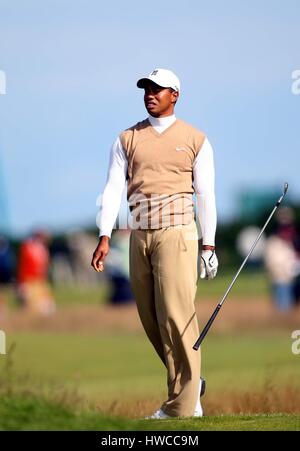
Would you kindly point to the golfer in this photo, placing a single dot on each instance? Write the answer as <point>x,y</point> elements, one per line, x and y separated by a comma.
<point>165,161</point>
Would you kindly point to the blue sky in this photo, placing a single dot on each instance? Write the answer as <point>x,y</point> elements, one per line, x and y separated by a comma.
<point>71,69</point>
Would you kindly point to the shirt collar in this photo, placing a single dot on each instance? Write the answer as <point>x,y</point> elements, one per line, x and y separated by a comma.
<point>162,121</point>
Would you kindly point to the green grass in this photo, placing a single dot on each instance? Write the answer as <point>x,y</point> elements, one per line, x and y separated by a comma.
<point>35,414</point>
<point>249,284</point>
<point>58,381</point>
<point>68,295</point>
<point>244,361</point>
<point>283,422</point>
<point>109,366</point>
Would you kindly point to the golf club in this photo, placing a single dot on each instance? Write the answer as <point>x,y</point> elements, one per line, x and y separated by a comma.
<point>217,309</point>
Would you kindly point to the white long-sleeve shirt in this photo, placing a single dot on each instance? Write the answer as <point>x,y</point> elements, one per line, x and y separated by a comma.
<point>203,175</point>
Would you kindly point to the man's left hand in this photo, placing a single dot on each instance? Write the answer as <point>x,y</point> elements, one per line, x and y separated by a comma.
<point>208,265</point>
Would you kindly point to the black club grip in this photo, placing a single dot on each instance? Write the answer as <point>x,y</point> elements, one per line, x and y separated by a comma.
<point>206,328</point>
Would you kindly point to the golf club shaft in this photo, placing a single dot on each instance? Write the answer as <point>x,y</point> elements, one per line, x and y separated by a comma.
<point>217,309</point>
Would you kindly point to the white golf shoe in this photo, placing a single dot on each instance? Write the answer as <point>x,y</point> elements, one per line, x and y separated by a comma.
<point>158,415</point>
<point>161,415</point>
<point>198,409</point>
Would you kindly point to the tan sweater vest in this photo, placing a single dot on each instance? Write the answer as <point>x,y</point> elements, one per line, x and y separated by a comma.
<point>160,173</point>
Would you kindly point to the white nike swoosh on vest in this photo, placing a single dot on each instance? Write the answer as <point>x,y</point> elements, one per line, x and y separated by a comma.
<point>181,149</point>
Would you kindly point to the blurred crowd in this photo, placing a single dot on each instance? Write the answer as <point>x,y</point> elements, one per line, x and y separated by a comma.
<point>31,267</point>
<point>282,260</point>
<point>38,262</point>
<point>279,252</point>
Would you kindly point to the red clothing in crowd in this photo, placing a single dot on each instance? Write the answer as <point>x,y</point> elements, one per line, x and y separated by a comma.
<point>33,261</point>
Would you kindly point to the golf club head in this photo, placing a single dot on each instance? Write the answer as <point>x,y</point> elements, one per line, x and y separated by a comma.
<point>285,188</point>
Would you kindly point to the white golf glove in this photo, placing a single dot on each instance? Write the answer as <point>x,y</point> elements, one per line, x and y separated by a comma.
<point>208,265</point>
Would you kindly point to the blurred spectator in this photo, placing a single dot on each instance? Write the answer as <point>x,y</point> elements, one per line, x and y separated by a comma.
<point>6,261</point>
<point>32,274</point>
<point>61,262</point>
<point>282,260</point>
<point>6,269</point>
<point>81,246</point>
<point>117,268</point>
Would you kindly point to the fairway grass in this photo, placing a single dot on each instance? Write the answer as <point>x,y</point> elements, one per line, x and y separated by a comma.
<point>36,414</point>
<point>120,375</point>
<point>113,365</point>
<point>81,374</point>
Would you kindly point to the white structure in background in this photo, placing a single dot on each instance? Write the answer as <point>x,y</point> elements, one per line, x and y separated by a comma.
<point>246,238</point>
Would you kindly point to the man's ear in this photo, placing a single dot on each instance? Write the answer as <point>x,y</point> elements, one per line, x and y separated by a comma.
<point>175,95</point>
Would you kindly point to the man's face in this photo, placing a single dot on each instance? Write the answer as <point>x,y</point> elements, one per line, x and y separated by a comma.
<point>159,102</point>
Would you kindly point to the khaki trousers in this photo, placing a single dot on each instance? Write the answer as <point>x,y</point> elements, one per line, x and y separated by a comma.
<point>163,274</point>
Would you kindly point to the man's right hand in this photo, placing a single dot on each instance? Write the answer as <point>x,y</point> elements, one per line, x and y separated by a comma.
<point>100,253</point>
